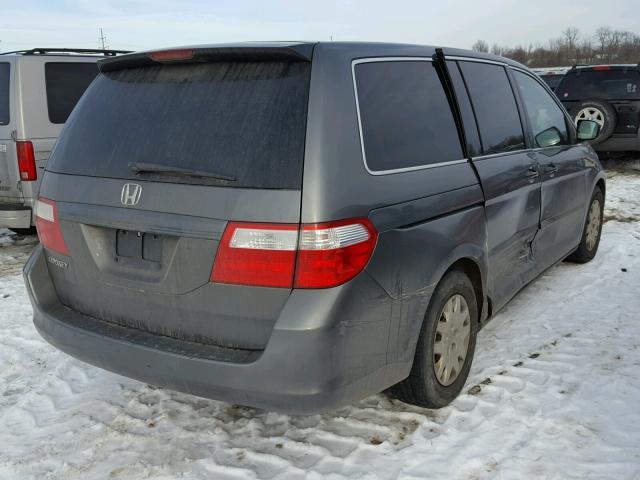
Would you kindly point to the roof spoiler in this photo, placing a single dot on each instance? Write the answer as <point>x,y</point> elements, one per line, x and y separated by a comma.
<point>44,51</point>
<point>224,53</point>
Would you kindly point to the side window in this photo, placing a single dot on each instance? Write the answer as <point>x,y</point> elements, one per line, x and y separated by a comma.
<point>405,116</point>
<point>65,83</point>
<point>495,107</point>
<point>548,123</point>
<point>5,70</point>
<point>470,127</point>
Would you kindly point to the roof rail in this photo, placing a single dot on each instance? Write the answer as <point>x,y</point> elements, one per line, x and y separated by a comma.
<point>43,51</point>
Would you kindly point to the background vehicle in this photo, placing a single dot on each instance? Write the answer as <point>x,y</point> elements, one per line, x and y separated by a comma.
<point>608,95</point>
<point>228,221</point>
<point>551,75</point>
<point>38,90</point>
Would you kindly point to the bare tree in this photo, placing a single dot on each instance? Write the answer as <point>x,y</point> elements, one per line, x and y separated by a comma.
<point>605,46</point>
<point>571,39</point>
<point>480,46</point>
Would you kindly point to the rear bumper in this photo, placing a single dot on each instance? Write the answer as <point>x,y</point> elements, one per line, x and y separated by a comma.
<point>324,363</point>
<point>619,143</point>
<point>15,216</point>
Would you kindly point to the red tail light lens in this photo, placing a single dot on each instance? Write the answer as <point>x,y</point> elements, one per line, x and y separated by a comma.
<point>284,255</point>
<point>330,254</point>
<point>256,254</point>
<point>48,226</point>
<point>26,161</point>
<point>601,68</point>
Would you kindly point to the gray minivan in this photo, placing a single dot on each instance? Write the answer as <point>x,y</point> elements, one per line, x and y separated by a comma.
<point>38,90</point>
<point>295,226</point>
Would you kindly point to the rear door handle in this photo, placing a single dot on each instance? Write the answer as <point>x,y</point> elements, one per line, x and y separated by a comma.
<point>550,168</point>
<point>532,171</point>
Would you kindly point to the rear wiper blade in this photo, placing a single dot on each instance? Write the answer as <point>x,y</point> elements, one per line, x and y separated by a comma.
<point>148,167</point>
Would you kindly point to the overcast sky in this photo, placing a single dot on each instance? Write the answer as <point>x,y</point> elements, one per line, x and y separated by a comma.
<point>144,24</point>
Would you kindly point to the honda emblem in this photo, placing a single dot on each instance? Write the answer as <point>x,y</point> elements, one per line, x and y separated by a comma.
<point>130,195</point>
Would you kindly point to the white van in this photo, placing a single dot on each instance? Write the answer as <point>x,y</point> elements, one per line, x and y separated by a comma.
<point>38,90</point>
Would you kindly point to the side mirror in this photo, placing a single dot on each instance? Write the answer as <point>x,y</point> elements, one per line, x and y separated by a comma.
<point>587,129</point>
<point>549,137</point>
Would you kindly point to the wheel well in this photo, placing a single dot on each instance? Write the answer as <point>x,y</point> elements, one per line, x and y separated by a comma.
<point>601,185</point>
<point>471,270</point>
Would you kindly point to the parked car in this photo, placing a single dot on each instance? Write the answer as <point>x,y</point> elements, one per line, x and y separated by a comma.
<point>38,90</point>
<point>295,226</point>
<point>551,75</point>
<point>610,96</point>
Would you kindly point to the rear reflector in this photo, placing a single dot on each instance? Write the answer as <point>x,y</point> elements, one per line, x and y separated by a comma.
<point>285,255</point>
<point>26,161</point>
<point>601,67</point>
<point>48,226</point>
<point>172,55</point>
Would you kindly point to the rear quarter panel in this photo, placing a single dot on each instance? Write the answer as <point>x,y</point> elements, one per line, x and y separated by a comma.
<point>426,219</point>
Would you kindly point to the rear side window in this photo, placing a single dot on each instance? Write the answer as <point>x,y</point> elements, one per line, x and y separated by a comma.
<point>548,123</point>
<point>5,71</point>
<point>405,116</point>
<point>245,121</point>
<point>495,107</point>
<point>65,84</point>
<point>618,83</point>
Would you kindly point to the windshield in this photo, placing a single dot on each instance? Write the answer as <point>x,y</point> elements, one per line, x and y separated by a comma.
<point>609,84</point>
<point>244,121</point>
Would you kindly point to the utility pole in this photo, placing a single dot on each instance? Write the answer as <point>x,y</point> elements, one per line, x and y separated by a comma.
<point>102,39</point>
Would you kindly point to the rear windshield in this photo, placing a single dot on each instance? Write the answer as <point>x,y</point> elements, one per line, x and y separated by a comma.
<point>241,121</point>
<point>5,69</point>
<point>608,84</point>
<point>552,80</point>
<point>65,83</point>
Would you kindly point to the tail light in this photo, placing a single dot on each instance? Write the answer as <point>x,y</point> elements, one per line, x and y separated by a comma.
<point>172,55</point>
<point>48,226</point>
<point>601,68</point>
<point>26,161</point>
<point>283,255</point>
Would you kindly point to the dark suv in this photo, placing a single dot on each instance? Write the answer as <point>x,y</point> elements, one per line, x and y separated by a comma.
<point>608,95</point>
<point>295,226</point>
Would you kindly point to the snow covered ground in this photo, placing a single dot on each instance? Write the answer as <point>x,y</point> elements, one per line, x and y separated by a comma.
<point>554,392</point>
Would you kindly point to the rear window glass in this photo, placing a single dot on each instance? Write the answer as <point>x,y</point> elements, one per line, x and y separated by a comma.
<point>65,83</point>
<point>495,107</point>
<point>552,80</point>
<point>405,115</point>
<point>5,70</point>
<point>242,121</point>
<point>608,84</point>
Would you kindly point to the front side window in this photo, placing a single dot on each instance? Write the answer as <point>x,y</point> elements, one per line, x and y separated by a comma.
<point>495,107</point>
<point>547,121</point>
<point>65,83</point>
<point>5,70</point>
<point>405,116</point>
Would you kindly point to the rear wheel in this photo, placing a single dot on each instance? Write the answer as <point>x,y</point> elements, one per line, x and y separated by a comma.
<point>592,230</point>
<point>445,347</point>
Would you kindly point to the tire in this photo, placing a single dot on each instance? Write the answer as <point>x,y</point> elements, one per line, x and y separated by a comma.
<point>423,387</point>
<point>588,243</point>
<point>24,231</point>
<point>601,112</point>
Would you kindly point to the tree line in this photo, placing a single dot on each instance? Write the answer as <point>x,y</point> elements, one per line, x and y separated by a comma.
<point>606,45</point>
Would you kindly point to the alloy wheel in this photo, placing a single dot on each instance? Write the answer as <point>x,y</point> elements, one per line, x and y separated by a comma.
<point>591,113</point>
